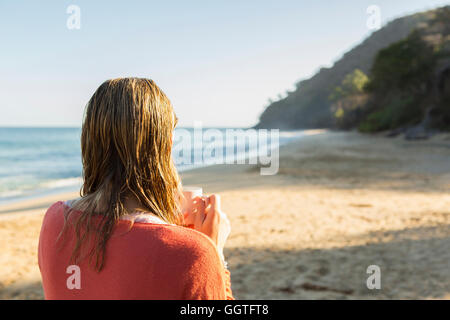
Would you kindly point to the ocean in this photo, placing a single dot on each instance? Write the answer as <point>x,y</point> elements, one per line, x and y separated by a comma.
<point>39,161</point>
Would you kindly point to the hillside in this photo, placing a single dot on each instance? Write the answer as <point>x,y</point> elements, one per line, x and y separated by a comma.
<point>310,106</point>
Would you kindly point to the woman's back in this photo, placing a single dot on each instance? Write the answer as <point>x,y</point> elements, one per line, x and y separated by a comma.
<point>128,167</point>
<point>148,261</point>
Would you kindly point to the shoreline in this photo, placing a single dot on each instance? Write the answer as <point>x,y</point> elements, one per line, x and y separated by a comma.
<point>40,194</point>
<point>17,188</point>
<point>340,202</point>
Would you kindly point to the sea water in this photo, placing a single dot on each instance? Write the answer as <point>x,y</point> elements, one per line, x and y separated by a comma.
<point>37,161</point>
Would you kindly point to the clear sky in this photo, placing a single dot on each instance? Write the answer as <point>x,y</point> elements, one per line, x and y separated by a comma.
<point>218,61</point>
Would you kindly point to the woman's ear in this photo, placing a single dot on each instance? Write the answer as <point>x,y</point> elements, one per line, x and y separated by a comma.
<point>171,142</point>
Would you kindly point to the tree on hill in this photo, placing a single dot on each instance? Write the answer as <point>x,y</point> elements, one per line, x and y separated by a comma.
<point>348,98</point>
<point>400,79</point>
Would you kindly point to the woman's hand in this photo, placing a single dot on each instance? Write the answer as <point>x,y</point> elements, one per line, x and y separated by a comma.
<point>208,218</point>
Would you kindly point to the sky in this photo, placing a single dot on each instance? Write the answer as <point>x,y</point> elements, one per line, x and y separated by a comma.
<point>219,62</point>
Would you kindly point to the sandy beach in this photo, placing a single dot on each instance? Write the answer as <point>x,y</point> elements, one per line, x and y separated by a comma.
<point>341,201</point>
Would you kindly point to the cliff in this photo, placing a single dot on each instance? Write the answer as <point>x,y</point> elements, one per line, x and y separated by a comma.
<point>310,106</point>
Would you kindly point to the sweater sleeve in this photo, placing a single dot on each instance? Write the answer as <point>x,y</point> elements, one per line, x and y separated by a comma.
<point>228,292</point>
<point>206,277</point>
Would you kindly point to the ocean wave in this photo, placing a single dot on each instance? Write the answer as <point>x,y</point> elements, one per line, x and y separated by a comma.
<point>46,160</point>
<point>29,190</point>
<point>11,193</point>
<point>59,183</point>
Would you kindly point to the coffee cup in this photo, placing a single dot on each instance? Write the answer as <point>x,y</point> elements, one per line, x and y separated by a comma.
<point>189,193</point>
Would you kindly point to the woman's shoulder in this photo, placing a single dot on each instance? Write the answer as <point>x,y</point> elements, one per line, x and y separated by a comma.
<point>54,209</point>
<point>186,238</point>
<point>58,205</point>
<point>190,245</point>
<point>177,239</point>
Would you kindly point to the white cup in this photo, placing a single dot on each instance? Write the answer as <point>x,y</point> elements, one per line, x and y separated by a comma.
<point>189,193</point>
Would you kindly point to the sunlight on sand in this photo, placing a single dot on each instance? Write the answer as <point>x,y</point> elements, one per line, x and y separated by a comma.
<point>341,202</point>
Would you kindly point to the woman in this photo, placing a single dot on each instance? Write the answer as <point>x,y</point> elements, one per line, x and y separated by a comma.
<point>125,237</point>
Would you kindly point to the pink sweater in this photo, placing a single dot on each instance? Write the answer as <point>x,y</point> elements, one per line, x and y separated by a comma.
<point>150,261</point>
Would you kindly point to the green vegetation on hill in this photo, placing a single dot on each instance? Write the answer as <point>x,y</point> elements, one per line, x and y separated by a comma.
<point>406,65</point>
<point>348,99</point>
<point>402,89</point>
<point>399,81</point>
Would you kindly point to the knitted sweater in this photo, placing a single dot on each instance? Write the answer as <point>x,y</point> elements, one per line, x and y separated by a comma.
<point>147,261</point>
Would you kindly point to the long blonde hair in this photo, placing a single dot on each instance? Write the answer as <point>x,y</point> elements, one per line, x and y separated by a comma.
<point>126,144</point>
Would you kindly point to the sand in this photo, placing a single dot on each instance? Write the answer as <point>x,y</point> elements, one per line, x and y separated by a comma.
<point>342,201</point>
